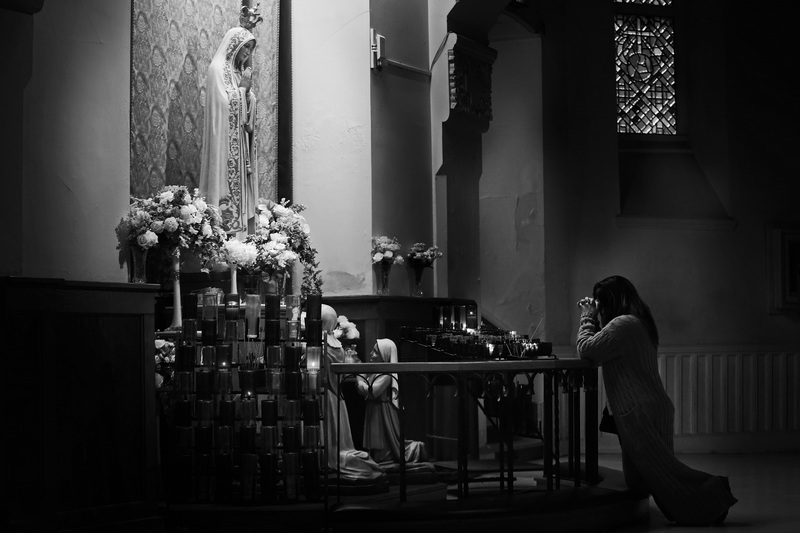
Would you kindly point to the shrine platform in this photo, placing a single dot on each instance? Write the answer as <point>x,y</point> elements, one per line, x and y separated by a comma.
<point>605,506</point>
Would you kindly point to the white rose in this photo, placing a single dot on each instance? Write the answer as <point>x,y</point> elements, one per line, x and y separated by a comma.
<point>148,239</point>
<point>281,211</point>
<point>377,258</point>
<point>171,224</point>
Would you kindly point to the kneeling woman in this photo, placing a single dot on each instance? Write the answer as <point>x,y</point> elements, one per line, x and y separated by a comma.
<point>617,330</point>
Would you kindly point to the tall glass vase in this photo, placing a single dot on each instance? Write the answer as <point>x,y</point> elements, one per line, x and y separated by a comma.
<point>416,289</point>
<point>138,272</point>
<point>175,272</point>
<point>234,279</point>
<point>252,283</point>
<point>383,279</point>
<point>275,283</point>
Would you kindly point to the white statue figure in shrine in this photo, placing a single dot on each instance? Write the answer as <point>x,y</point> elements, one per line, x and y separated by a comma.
<point>354,465</point>
<point>228,166</point>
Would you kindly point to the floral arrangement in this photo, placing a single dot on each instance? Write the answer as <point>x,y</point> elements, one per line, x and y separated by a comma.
<point>384,251</point>
<point>421,257</point>
<point>345,330</point>
<point>165,358</point>
<point>241,254</point>
<point>135,228</point>
<point>174,219</point>
<point>281,238</point>
<point>347,333</point>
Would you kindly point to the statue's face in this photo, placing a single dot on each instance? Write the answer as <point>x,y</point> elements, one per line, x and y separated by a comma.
<point>244,53</point>
<point>375,355</point>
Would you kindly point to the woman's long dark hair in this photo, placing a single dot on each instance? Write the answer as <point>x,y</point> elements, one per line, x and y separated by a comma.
<point>617,296</point>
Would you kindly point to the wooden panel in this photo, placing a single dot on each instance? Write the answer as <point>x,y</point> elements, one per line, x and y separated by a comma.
<point>82,408</point>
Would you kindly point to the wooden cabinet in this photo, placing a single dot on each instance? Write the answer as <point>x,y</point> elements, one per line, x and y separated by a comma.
<point>80,447</point>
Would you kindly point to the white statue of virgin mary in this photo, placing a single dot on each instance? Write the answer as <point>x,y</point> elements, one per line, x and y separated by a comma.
<point>228,167</point>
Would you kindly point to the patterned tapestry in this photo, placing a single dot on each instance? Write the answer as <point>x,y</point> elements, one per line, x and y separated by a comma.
<point>173,42</point>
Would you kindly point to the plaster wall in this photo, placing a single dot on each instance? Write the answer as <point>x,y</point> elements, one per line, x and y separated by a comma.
<point>331,145</point>
<point>401,179</point>
<point>705,285</point>
<point>511,190</point>
<point>16,35</point>
<point>76,134</point>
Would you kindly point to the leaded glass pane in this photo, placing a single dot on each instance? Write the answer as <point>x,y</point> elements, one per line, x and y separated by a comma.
<point>645,75</point>
<point>646,2</point>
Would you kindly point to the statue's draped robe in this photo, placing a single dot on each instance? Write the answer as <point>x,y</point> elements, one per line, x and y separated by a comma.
<point>354,465</point>
<point>381,421</point>
<point>229,167</point>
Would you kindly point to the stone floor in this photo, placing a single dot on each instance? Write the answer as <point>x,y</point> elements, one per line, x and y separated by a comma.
<point>766,485</point>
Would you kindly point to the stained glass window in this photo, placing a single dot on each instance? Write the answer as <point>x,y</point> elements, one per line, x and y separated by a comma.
<point>645,60</point>
<point>646,2</point>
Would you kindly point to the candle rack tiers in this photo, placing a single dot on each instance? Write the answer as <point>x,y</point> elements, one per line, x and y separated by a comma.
<point>244,413</point>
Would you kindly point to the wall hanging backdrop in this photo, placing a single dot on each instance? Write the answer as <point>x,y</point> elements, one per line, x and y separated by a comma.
<point>172,45</point>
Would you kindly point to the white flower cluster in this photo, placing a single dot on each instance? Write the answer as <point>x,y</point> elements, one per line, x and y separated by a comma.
<point>384,250</point>
<point>243,254</point>
<point>418,255</point>
<point>345,330</point>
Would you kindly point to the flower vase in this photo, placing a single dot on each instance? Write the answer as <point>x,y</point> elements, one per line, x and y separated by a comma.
<point>416,289</point>
<point>138,272</point>
<point>175,272</point>
<point>252,284</point>
<point>234,279</point>
<point>164,375</point>
<point>383,280</point>
<point>275,282</point>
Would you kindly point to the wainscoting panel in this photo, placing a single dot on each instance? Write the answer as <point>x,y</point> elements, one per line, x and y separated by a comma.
<point>730,392</point>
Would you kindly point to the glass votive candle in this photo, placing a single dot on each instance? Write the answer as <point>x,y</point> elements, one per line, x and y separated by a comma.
<point>291,438</point>
<point>275,382</point>
<point>310,409</point>
<point>293,384</point>
<point>248,407</point>
<point>205,412</point>
<point>314,331</point>
<point>311,436</point>
<point>291,412</point>
<point>292,330</point>
<point>246,381</point>
<point>247,439</point>
<point>204,384</point>
<point>224,439</point>
<point>313,306</point>
<point>274,356</point>
<point>208,355</point>
<point>269,412</point>
<point>184,437</point>
<point>222,356</point>
<point>189,332</point>
<point>292,306</point>
<point>272,306</point>
<point>313,358</point>
<point>252,311</point>
<point>224,381</point>
<point>227,412</point>
<point>269,438</point>
<point>311,383</point>
<point>203,439</point>
<point>184,381</point>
